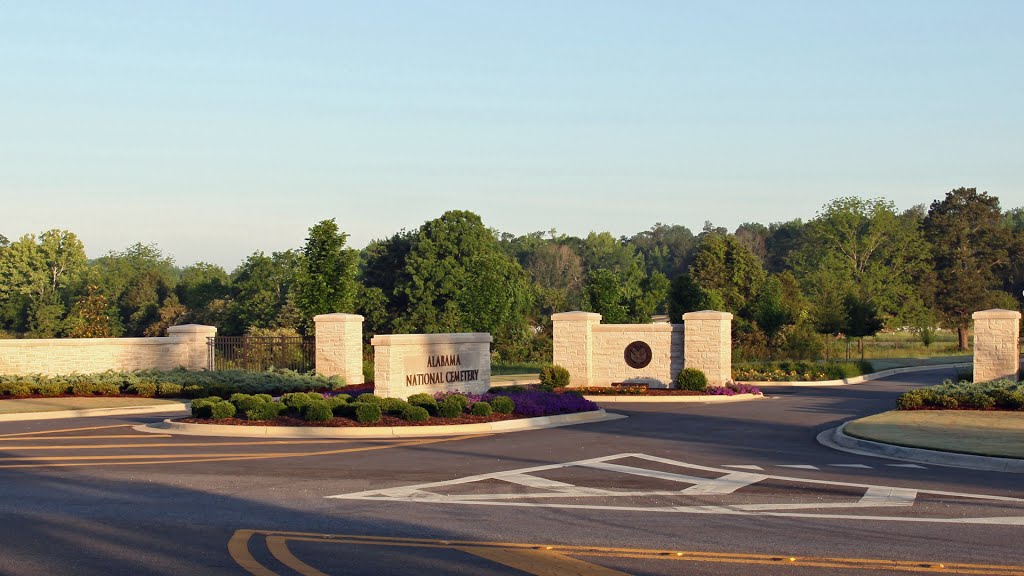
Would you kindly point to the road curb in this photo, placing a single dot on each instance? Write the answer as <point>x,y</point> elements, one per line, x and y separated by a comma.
<point>696,399</point>
<point>518,425</point>
<point>858,379</point>
<point>836,438</point>
<point>91,412</point>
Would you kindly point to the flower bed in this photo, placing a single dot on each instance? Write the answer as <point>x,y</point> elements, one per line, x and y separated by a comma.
<point>799,371</point>
<point>314,409</point>
<point>997,395</point>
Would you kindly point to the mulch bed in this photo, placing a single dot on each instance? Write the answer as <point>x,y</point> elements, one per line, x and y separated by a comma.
<point>386,420</point>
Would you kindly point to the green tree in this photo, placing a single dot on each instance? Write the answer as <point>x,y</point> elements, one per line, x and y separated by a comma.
<point>41,270</point>
<point>557,274</point>
<point>603,294</point>
<point>861,319</point>
<point>726,271</point>
<point>261,289</point>
<point>325,279</point>
<point>665,248</point>
<point>770,310</point>
<point>92,316</point>
<point>137,280</point>
<point>969,245</point>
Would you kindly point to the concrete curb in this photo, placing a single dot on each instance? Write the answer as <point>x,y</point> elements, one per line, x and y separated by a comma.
<point>837,439</point>
<point>89,412</point>
<point>169,426</point>
<point>698,399</point>
<point>859,379</point>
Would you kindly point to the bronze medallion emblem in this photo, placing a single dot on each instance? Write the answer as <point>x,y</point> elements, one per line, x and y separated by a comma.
<point>638,354</point>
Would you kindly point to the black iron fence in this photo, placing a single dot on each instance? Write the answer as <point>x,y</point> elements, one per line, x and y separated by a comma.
<point>260,353</point>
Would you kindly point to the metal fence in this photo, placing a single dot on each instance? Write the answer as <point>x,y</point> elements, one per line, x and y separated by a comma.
<point>260,353</point>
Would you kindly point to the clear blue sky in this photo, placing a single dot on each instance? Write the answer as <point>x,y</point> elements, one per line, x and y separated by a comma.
<point>215,129</point>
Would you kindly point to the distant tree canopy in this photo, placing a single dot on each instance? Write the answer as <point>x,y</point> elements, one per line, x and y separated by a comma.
<point>857,267</point>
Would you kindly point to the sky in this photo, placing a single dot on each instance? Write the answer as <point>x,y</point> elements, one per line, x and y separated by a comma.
<point>216,129</point>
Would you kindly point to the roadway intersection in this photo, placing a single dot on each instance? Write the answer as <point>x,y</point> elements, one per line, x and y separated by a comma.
<point>734,488</point>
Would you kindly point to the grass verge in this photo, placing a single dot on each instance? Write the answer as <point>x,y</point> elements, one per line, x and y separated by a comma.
<point>985,433</point>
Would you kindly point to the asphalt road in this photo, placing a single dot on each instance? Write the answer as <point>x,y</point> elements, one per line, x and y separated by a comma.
<point>739,488</point>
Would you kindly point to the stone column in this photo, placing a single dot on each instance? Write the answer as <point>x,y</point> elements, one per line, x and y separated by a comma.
<point>194,349</point>
<point>339,346</point>
<point>996,345</point>
<point>707,345</point>
<point>574,344</point>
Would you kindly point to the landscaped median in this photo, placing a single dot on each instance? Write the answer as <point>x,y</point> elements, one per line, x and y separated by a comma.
<point>813,374</point>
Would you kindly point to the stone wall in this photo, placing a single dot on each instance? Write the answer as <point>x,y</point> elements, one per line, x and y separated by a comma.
<point>595,353</point>
<point>407,364</point>
<point>996,345</point>
<point>183,347</point>
<point>339,346</point>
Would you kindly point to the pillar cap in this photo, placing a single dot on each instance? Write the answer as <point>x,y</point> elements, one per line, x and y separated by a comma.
<point>707,315</point>
<point>337,317</point>
<point>191,329</point>
<point>576,316</point>
<point>996,313</point>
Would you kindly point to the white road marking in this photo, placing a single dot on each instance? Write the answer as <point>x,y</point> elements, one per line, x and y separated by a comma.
<point>906,466</point>
<point>799,466</point>
<point>742,466</point>
<point>874,496</point>
<point>851,466</point>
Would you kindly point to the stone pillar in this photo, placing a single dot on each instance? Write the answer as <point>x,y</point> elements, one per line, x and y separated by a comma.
<point>574,344</point>
<point>996,345</point>
<point>707,345</point>
<point>194,349</point>
<point>339,346</point>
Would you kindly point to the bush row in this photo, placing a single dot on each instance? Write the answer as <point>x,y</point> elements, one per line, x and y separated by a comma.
<point>963,395</point>
<point>799,371</point>
<point>167,383</point>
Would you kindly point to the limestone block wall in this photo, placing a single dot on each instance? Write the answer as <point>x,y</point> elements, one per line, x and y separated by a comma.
<point>407,364</point>
<point>339,346</point>
<point>184,346</point>
<point>574,344</point>
<point>609,345</point>
<point>996,345</point>
<point>709,344</point>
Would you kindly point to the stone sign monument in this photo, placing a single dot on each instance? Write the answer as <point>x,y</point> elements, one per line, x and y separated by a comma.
<point>407,364</point>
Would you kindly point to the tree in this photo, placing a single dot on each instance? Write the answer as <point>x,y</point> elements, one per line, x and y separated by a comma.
<point>41,269</point>
<point>969,247</point>
<point>137,280</point>
<point>861,319</point>
<point>666,249</point>
<point>92,316</point>
<point>260,295</point>
<point>603,294</point>
<point>783,239</point>
<point>863,247</point>
<point>770,310</point>
<point>325,277</point>
<point>724,267</point>
<point>557,274</point>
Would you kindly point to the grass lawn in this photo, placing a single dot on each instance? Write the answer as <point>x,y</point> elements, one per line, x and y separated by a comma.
<point>988,433</point>
<point>24,405</point>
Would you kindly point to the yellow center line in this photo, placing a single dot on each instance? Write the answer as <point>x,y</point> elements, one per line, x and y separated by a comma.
<point>485,549</point>
<point>145,436</point>
<point>179,444</point>
<point>150,459</point>
<point>537,562</point>
<point>66,430</point>
<point>278,546</point>
<point>238,549</point>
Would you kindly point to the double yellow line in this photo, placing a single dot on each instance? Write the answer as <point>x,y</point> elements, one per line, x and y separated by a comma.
<point>559,560</point>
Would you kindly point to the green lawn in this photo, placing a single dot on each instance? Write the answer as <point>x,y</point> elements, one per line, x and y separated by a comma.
<point>25,405</point>
<point>987,433</point>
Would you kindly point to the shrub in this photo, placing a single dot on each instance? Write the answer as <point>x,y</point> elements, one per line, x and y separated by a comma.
<point>318,412</point>
<point>15,389</point>
<point>461,399</point>
<point>368,398</point>
<point>503,405</point>
<point>393,405</point>
<point>415,413</point>
<point>425,401</point>
<point>947,401</point>
<point>51,388</point>
<point>222,410</point>
<point>481,409</point>
<point>449,409</point>
<point>912,400</point>
<point>264,397</point>
<point>201,407</point>
<point>142,389</point>
<point>367,412</point>
<point>192,391</point>
<point>692,379</point>
<point>554,377</point>
<point>265,411</point>
<point>169,390</point>
<point>245,402</point>
<point>299,400</point>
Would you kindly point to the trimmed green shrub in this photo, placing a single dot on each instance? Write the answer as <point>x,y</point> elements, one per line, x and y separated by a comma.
<point>264,397</point>
<point>265,411</point>
<point>299,400</point>
<point>201,407</point>
<point>147,389</point>
<point>15,388</point>
<point>318,412</point>
<point>192,391</point>
<point>245,402</point>
<point>222,410</point>
<point>912,400</point>
<point>51,388</point>
<point>481,409</point>
<point>393,405</point>
<point>368,398</point>
<point>692,379</point>
<point>415,414</point>
<point>462,400</point>
<point>554,377</point>
<point>449,408</point>
<point>169,390</point>
<point>367,412</point>
<point>503,405</point>
<point>425,401</point>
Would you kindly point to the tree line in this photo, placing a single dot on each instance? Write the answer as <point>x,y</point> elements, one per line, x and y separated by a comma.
<point>860,265</point>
